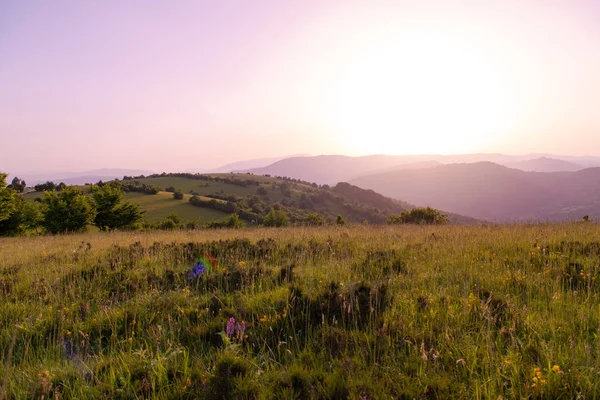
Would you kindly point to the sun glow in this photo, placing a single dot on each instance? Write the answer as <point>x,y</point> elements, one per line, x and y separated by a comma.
<point>419,94</point>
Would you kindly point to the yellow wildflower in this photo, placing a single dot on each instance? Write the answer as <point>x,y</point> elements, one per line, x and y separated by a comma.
<point>556,368</point>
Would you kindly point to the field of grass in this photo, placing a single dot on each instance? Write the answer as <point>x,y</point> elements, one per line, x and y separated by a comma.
<point>202,187</point>
<point>158,206</point>
<point>361,312</point>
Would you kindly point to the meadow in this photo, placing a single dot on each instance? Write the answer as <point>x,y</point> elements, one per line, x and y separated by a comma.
<point>370,312</point>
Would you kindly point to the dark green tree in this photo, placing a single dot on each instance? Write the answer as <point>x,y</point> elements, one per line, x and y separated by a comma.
<point>67,211</point>
<point>45,186</point>
<point>112,212</point>
<point>315,219</point>
<point>419,215</point>
<point>340,220</point>
<point>32,215</point>
<point>171,221</point>
<point>178,195</point>
<point>276,218</point>
<point>8,199</point>
<point>18,185</point>
<point>235,221</point>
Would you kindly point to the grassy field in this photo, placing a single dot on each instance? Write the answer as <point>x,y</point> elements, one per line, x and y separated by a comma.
<point>158,206</point>
<point>360,312</point>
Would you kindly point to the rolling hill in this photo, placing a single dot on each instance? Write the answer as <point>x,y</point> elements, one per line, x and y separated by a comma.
<point>545,164</point>
<point>252,196</point>
<point>488,191</point>
<point>331,169</point>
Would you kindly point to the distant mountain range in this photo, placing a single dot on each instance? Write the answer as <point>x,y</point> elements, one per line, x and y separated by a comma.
<point>242,165</point>
<point>492,192</point>
<point>330,169</point>
<point>545,164</point>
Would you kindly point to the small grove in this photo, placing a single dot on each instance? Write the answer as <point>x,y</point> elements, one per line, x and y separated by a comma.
<point>339,312</point>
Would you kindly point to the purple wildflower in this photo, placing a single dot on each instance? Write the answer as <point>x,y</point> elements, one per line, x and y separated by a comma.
<point>198,270</point>
<point>230,327</point>
<point>240,328</point>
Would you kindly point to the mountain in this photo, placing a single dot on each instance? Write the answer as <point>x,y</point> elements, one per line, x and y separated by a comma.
<point>331,169</point>
<point>492,192</point>
<point>545,164</point>
<point>238,166</point>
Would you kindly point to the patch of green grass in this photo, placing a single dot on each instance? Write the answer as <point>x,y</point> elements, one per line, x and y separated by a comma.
<point>158,206</point>
<point>359,312</point>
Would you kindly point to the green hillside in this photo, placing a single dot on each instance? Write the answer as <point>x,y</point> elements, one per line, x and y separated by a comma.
<point>216,197</point>
<point>159,206</point>
<point>252,196</point>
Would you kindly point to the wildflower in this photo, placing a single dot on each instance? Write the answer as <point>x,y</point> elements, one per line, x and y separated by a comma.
<point>199,269</point>
<point>556,368</point>
<point>507,362</point>
<point>230,327</point>
<point>264,318</point>
<point>242,263</point>
<point>240,329</point>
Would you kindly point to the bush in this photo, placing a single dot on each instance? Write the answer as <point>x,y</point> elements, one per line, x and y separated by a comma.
<point>423,216</point>
<point>67,211</point>
<point>276,218</point>
<point>178,195</point>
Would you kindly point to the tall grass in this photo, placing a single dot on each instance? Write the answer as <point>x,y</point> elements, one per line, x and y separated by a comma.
<point>359,312</point>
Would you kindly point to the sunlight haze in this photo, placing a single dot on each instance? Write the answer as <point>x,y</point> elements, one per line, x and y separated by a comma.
<point>198,84</point>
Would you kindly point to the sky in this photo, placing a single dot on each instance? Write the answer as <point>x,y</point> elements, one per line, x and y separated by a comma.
<point>167,86</point>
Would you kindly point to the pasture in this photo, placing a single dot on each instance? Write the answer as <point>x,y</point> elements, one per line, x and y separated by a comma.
<point>333,312</point>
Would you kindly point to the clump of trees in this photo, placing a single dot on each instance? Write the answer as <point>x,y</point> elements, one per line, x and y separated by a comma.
<point>111,211</point>
<point>276,218</point>
<point>143,188</point>
<point>65,211</point>
<point>419,215</point>
<point>178,195</point>
<point>42,187</point>
<point>18,185</point>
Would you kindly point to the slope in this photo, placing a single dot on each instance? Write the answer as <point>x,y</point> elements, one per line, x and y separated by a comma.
<point>492,192</point>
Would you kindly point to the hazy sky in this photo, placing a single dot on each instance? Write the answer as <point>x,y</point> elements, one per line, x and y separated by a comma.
<point>169,85</point>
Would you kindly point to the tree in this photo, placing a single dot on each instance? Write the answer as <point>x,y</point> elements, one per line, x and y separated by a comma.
<point>235,221</point>
<point>340,220</point>
<point>67,211</point>
<point>18,185</point>
<point>42,187</point>
<point>10,209</point>
<point>178,195</point>
<point>171,221</point>
<point>315,219</point>
<point>276,218</point>
<point>419,215</point>
<point>8,199</point>
<point>32,215</point>
<point>112,211</point>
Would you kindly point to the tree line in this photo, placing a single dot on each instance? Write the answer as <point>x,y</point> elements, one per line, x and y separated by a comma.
<point>66,210</point>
